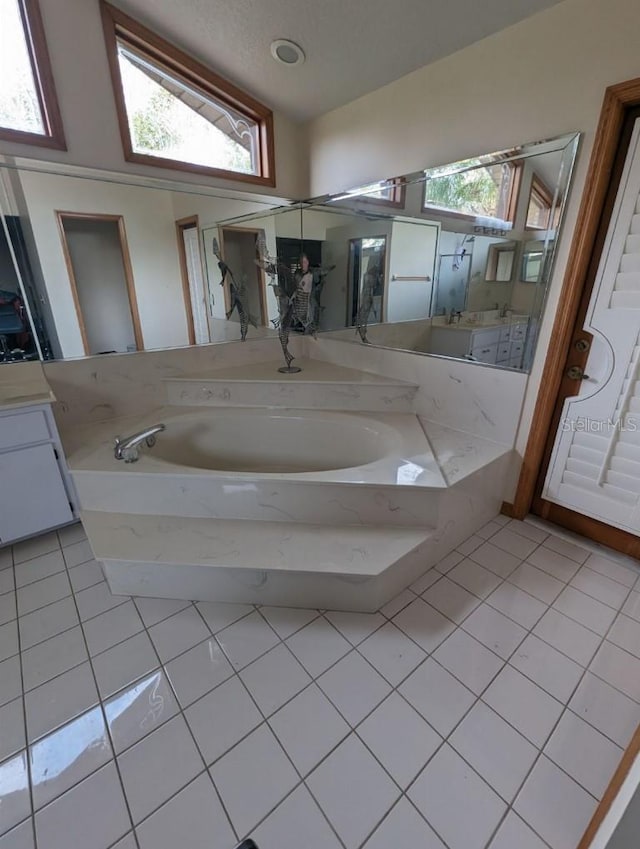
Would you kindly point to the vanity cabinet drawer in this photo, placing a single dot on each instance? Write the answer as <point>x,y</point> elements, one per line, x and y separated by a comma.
<point>518,332</point>
<point>505,333</point>
<point>486,353</point>
<point>23,429</point>
<point>504,352</point>
<point>516,349</point>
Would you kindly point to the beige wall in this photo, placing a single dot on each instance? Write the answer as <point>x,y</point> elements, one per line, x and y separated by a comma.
<point>537,79</point>
<point>79,62</point>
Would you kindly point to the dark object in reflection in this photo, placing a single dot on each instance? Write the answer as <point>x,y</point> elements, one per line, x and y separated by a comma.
<point>237,294</point>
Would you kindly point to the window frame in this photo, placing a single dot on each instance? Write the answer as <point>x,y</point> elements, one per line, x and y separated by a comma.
<point>53,135</point>
<point>119,26</point>
<point>540,192</point>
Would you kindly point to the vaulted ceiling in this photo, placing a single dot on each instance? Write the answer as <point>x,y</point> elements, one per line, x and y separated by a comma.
<point>352,46</point>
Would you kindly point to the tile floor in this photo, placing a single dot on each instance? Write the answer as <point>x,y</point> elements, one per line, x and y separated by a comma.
<point>486,706</point>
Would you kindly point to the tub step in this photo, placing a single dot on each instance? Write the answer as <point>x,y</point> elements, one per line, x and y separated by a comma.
<point>319,385</point>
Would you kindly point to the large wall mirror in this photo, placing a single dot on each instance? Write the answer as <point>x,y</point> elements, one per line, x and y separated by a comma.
<point>453,261</point>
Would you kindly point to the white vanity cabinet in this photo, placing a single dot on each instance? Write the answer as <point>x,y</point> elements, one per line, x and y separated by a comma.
<point>499,345</point>
<point>35,490</point>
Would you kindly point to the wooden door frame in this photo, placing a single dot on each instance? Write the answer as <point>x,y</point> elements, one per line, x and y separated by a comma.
<point>61,214</point>
<point>617,100</point>
<point>191,222</point>
<point>262,281</point>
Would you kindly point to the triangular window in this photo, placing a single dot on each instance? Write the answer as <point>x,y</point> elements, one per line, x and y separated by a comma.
<point>176,113</point>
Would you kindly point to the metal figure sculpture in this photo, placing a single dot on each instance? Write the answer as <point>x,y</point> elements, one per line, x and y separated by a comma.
<point>309,285</point>
<point>285,288</point>
<point>237,294</point>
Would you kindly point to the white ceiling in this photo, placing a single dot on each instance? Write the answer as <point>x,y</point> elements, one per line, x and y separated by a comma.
<point>352,46</point>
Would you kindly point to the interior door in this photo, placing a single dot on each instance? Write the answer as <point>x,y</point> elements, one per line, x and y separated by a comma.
<point>594,467</point>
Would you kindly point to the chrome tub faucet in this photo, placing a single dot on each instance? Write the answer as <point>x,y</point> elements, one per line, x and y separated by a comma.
<point>128,448</point>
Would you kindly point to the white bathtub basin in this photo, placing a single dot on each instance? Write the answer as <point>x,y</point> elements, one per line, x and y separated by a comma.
<point>273,442</point>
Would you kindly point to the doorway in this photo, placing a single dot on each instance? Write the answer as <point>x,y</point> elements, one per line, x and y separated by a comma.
<point>194,286</point>
<point>367,264</point>
<point>582,463</point>
<point>97,258</point>
<point>240,251</point>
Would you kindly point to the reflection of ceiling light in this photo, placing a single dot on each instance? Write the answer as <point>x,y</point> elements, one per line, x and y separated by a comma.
<point>287,52</point>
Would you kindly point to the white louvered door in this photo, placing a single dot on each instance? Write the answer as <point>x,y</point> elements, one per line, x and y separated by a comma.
<point>595,464</point>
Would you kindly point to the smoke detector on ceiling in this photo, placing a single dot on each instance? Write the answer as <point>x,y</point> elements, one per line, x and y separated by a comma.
<point>287,52</point>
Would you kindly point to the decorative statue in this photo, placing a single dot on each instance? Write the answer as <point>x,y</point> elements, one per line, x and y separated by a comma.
<point>371,283</point>
<point>309,285</point>
<point>237,294</point>
<point>285,288</point>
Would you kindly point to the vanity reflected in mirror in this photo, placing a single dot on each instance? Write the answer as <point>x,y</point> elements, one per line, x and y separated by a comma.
<point>453,261</point>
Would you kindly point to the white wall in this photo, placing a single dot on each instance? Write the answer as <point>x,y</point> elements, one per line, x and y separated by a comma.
<point>151,236</point>
<point>542,77</point>
<point>79,62</point>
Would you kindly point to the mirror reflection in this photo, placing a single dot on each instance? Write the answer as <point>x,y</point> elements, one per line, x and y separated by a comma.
<point>453,261</point>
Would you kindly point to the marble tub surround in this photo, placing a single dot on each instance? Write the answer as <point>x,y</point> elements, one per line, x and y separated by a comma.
<point>485,318</point>
<point>23,384</point>
<point>319,385</point>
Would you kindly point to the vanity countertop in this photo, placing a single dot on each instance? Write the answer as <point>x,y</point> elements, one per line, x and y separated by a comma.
<point>22,385</point>
<point>484,324</point>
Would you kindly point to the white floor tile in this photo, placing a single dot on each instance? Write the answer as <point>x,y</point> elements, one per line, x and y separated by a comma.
<point>552,671</point>
<point>488,530</point>
<point>438,696</point>
<point>154,610</point>
<point>612,569</point>
<point>92,814</point>
<point>537,583</point>
<point>625,633</point>
<point>59,700</point>
<point>568,636</point>
<point>514,543</point>
<point>8,610</point>
<point>116,625</point>
<point>68,755</point>
<point>7,581</point>
<point>198,671</point>
<point>397,603</point>
<point>178,633</point>
<point>309,727</point>
<point>285,621</point>
<point>77,552</point>
<point>554,563</point>
<point>354,687</point>
<point>460,806</point>
<point>555,806</point>
<point>318,646</point>
<point>12,730</point>
<point>86,575</point>
<point>494,749</point>
<point>296,822</point>
<point>43,592</point>
<point>425,581</point>
<point>222,718</point>
<point>97,599</point>
<point>607,709</point>
<point>424,624</point>
<point>566,548</point>
<point>274,678</point>
<point>450,599</point>
<point>14,792</point>
<point>47,622</point>
<point>35,547</point>
<point>495,559</point>
<point>219,615</point>
<point>516,834</point>
<point>585,610</point>
<point>194,814</point>
<point>632,606</point>
<point>392,653</point>
<point>6,558</point>
<point>147,780</point>
<point>20,837</point>
<point>52,657</point>
<point>618,668</point>
<point>587,755</point>
<point>10,679</point>
<point>124,663</point>
<point>600,587</point>
<point>353,791</point>
<point>494,630</point>
<point>518,605</point>
<point>9,644</point>
<point>139,709</point>
<point>469,545</point>
<point>246,640</point>
<point>39,568</point>
<point>404,828</point>
<point>253,778</point>
<point>356,627</point>
<point>526,529</point>
<point>71,533</point>
<point>527,707</point>
<point>474,578</point>
<point>399,738</point>
<point>127,842</point>
<point>449,562</point>
<point>470,662</point>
